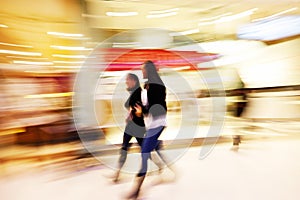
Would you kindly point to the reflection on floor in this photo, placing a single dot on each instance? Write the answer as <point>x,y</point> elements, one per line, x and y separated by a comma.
<point>262,168</point>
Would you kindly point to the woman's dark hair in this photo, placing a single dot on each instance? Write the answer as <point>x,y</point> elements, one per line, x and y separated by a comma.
<point>136,79</point>
<point>153,76</point>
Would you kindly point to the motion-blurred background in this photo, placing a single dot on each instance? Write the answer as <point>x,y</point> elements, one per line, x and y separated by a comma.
<point>248,49</point>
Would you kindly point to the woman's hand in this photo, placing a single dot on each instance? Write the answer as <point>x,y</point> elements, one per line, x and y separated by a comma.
<point>138,110</point>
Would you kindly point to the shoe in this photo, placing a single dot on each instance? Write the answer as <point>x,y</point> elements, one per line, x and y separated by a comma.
<point>116,177</point>
<point>133,195</point>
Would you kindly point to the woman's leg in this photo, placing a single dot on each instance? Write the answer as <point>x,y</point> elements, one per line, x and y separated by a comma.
<point>124,149</point>
<point>163,157</point>
<point>149,144</point>
<point>123,154</point>
<point>139,140</point>
<point>155,157</point>
<point>158,149</point>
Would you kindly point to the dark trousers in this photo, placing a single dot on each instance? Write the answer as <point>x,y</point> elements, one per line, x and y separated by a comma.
<point>126,140</point>
<point>125,146</point>
<point>150,143</point>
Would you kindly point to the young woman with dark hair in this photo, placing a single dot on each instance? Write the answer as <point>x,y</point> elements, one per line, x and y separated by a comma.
<point>154,110</point>
<point>135,126</point>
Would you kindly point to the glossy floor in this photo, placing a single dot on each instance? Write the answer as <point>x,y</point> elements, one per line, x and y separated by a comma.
<point>260,169</point>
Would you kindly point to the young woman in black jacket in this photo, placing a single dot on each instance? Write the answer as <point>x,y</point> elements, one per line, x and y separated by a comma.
<point>135,126</point>
<point>154,110</point>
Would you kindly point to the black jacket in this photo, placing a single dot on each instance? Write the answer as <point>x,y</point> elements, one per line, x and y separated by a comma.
<point>135,125</point>
<point>157,105</point>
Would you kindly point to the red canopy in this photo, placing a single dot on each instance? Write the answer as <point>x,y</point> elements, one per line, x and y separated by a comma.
<point>132,59</point>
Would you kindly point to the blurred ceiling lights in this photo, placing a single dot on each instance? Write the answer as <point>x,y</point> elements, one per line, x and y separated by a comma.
<point>68,62</point>
<point>68,66</point>
<point>236,16</point>
<point>187,32</point>
<point>24,53</point>
<point>121,14</point>
<point>3,26</point>
<point>31,62</point>
<point>69,56</point>
<point>126,44</point>
<point>70,48</point>
<point>162,13</point>
<point>271,29</point>
<point>62,35</point>
<point>277,14</point>
<point>31,58</point>
<point>66,34</point>
<point>15,45</point>
<point>215,17</point>
<point>226,17</point>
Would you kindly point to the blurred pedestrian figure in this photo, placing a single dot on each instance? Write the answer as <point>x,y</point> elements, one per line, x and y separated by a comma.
<point>135,126</point>
<point>240,107</point>
<point>154,110</point>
